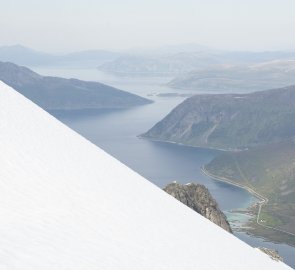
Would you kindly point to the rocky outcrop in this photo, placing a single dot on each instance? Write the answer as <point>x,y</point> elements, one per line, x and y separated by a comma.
<point>273,254</point>
<point>198,198</point>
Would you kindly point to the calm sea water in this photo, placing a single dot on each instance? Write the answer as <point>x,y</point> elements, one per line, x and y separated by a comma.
<point>116,132</point>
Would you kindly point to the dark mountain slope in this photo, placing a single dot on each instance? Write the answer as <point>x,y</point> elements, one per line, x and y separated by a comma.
<point>53,93</point>
<point>230,121</point>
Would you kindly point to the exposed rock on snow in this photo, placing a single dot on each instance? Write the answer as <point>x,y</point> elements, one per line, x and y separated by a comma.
<point>271,253</point>
<point>198,198</point>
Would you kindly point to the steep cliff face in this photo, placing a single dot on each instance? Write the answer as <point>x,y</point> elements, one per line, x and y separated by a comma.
<point>198,198</point>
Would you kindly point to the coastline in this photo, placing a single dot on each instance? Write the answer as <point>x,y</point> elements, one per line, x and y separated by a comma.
<point>141,136</point>
<point>207,173</point>
<point>262,200</point>
<point>254,222</point>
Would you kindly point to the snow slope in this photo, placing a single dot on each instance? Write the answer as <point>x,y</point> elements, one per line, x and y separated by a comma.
<point>66,204</point>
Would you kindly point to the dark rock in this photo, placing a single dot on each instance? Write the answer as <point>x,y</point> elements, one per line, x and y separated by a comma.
<point>198,198</point>
<point>273,254</point>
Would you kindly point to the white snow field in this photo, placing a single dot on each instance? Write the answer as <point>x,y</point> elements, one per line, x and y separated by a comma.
<point>65,204</point>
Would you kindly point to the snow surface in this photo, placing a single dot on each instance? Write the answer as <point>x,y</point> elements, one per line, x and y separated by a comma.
<point>66,204</point>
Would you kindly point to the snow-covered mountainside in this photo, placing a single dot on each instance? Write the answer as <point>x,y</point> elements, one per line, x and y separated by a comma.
<point>66,204</point>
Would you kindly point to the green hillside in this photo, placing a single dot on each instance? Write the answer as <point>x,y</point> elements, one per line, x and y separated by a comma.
<point>230,121</point>
<point>269,170</point>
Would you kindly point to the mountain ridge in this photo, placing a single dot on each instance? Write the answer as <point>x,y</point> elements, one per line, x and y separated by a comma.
<point>54,93</point>
<point>22,55</point>
<point>230,121</point>
<point>239,78</point>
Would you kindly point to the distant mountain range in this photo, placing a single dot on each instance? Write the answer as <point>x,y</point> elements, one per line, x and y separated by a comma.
<point>53,93</point>
<point>173,49</point>
<point>28,57</point>
<point>194,62</point>
<point>161,64</point>
<point>190,67</point>
<point>232,78</point>
<point>230,121</point>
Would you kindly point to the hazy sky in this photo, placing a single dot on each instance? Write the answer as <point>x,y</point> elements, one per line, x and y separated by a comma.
<point>68,25</point>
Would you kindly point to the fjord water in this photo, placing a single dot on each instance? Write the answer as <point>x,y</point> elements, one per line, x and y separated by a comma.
<point>116,132</point>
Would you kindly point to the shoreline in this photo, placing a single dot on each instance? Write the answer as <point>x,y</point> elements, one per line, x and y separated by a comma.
<point>141,136</point>
<point>263,200</point>
<point>231,182</point>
